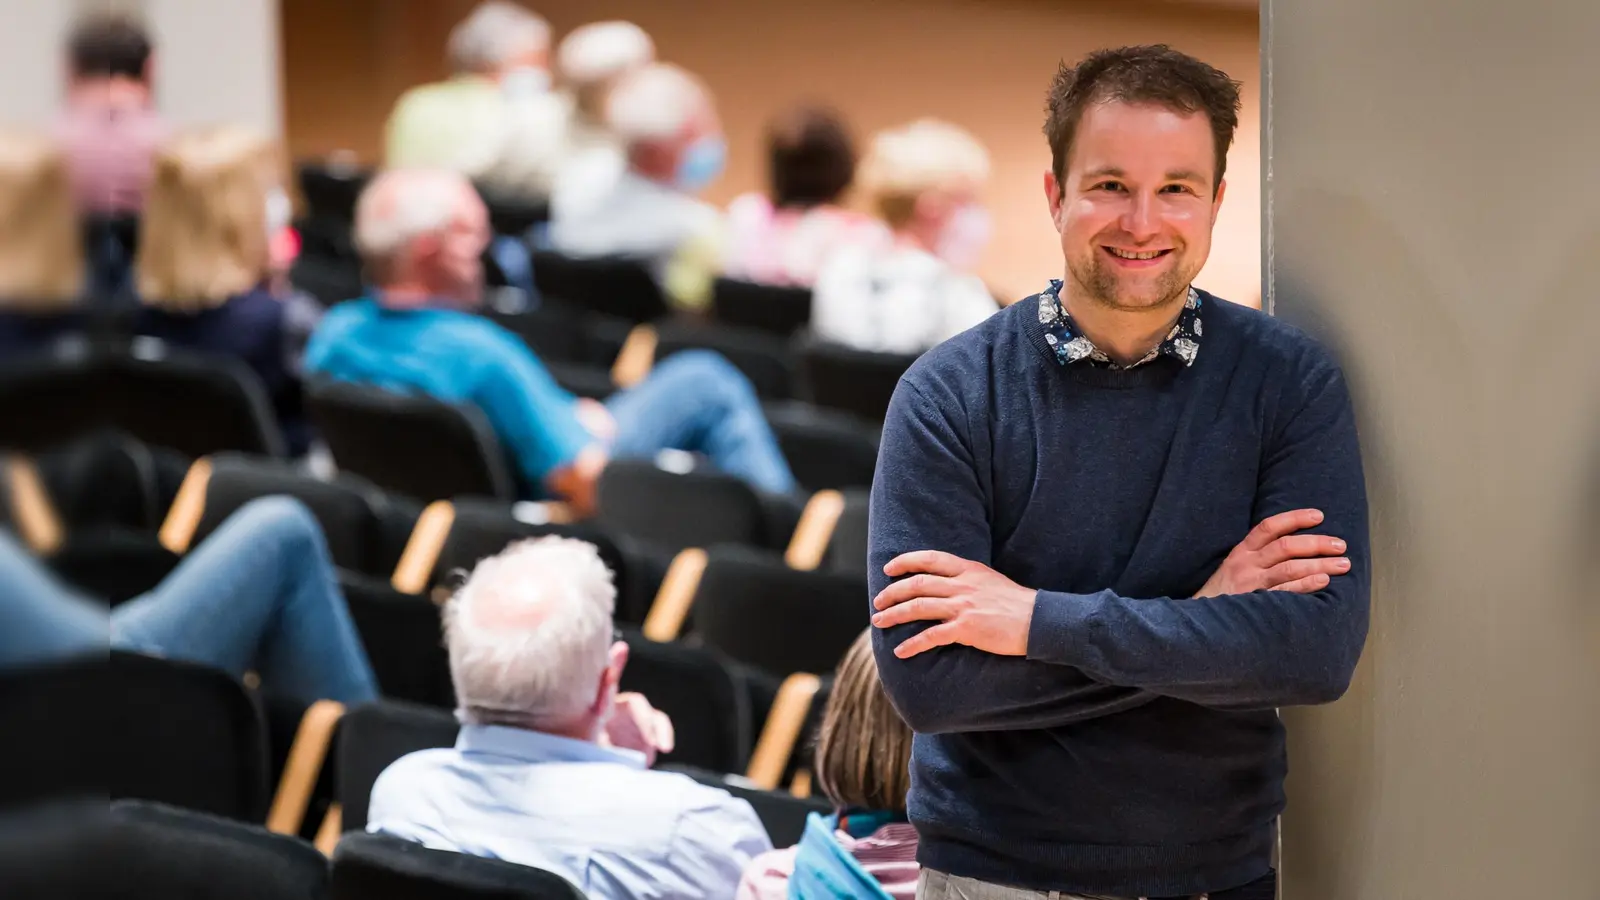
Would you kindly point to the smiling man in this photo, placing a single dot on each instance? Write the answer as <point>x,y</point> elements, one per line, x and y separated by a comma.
<point>1092,586</point>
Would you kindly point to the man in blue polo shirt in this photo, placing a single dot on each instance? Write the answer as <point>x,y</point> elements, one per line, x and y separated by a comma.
<point>1090,582</point>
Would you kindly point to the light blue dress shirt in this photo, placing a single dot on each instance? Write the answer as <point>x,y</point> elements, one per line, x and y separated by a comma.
<point>593,815</point>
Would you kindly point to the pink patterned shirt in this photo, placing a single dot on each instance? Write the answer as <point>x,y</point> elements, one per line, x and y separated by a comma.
<point>789,246</point>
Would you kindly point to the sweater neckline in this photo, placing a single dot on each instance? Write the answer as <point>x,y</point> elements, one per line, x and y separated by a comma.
<point>1156,372</point>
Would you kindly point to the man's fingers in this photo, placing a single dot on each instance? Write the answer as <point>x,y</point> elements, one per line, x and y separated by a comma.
<point>665,737</point>
<point>934,562</point>
<point>937,636</point>
<point>1274,527</point>
<point>915,611</point>
<point>1308,585</point>
<point>915,586</point>
<point>1299,546</point>
<point>1300,569</point>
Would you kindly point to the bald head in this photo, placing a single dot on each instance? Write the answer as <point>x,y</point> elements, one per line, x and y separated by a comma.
<point>530,636</point>
<point>422,231</point>
<point>659,113</point>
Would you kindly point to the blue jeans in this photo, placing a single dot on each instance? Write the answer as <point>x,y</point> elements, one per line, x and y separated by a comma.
<point>258,594</point>
<point>698,402</point>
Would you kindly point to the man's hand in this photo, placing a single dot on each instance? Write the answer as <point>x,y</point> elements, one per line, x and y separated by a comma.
<point>1272,557</point>
<point>636,725</point>
<point>976,605</point>
<point>577,483</point>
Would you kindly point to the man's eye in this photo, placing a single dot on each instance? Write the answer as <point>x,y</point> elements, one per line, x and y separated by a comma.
<point>1109,186</point>
<point>1176,189</point>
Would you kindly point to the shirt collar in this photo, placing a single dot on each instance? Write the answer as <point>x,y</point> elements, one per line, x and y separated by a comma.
<point>1071,345</point>
<point>538,747</point>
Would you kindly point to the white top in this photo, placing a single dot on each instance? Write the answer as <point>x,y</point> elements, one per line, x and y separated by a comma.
<point>602,208</point>
<point>900,300</point>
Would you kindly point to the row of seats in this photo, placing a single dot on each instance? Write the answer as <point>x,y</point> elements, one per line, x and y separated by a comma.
<point>194,405</point>
<point>142,849</point>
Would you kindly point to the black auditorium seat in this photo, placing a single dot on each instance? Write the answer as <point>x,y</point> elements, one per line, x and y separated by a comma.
<point>673,510</point>
<point>614,286</point>
<point>766,360</point>
<point>779,310</point>
<point>702,694</point>
<point>379,867</point>
<point>825,448</point>
<point>414,445</point>
<point>372,736</point>
<point>856,381</point>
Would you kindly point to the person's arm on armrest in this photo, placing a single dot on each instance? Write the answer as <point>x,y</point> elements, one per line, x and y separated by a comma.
<point>532,415</point>
<point>1238,648</point>
<point>927,495</point>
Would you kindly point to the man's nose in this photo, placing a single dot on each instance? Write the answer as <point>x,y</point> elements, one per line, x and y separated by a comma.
<point>1141,220</point>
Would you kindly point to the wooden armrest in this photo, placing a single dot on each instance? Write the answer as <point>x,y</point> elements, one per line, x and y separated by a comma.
<point>677,592</point>
<point>37,522</point>
<point>782,730</point>
<point>815,529</point>
<point>300,773</point>
<point>422,550</point>
<point>801,785</point>
<point>636,358</point>
<point>330,830</point>
<point>183,518</point>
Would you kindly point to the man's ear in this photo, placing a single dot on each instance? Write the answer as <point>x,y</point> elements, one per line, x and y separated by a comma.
<point>1053,195</point>
<point>611,677</point>
<point>1216,202</point>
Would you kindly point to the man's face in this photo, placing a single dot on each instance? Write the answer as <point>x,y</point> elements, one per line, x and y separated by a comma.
<point>454,258</point>
<point>1136,204</point>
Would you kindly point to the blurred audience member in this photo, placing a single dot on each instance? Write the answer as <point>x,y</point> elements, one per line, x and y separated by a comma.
<point>552,765</point>
<point>925,180</point>
<point>672,138</point>
<point>867,848</point>
<point>498,96</point>
<point>110,127</point>
<point>421,234</point>
<point>205,261</point>
<point>785,238</point>
<point>41,260</point>
<point>259,594</point>
<point>590,61</point>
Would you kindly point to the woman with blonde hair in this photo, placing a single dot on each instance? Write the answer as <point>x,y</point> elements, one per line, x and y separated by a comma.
<point>866,849</point>
<point>214,208</point>
<point>41,253</point>
<point>925,181</point>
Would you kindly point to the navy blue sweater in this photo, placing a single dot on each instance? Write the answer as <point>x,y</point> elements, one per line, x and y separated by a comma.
<point>1136,749</point>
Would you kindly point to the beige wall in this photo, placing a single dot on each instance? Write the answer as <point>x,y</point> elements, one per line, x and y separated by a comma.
<point>982,65</point>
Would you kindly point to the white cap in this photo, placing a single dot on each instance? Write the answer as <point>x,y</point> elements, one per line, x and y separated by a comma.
<point>598,51</point>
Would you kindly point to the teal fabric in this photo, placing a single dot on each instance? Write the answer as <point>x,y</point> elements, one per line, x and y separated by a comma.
<point>823,870</point>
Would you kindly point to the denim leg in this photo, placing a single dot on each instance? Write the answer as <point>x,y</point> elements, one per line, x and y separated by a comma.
<point>42,619</point>
<point>258,593</point>
<point>697,401</point>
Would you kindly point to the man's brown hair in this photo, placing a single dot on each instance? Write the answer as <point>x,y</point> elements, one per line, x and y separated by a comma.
<point>863,747</point>
<point>1156,75</point>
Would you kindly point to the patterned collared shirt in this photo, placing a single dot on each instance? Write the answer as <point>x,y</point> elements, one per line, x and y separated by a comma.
<point>1071,345</point>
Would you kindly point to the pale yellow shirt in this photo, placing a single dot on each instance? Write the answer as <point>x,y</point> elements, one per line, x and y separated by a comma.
<point>458,124</point>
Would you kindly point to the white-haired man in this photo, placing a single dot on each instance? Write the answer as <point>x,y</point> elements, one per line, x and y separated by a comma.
<point>422,234</point>
<point>552,765</point>
<point>925,180</point>
<point>590,60</point>
<point>673,144</point>
<point>495,119</point>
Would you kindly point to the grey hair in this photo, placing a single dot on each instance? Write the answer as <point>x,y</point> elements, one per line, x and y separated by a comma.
<point>494,32</point>
<point>530,632</point>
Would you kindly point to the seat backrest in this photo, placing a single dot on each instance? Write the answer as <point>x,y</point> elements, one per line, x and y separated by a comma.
<point>775,309</point>
<point>374,735</point>
<point>368,866</point>
<point>764,358</point>
<point>126,725</point>
<point>611,285</point>
<point>856,381</point>
<point>331,191</point>
<point>192,403</point>
<point>825,448</point>
<point>414,445</point>
<point>555,333</point>
<point>847,546</point>
<point>673,510</point>
<point>702,695</point>
<point>347,508</point>
<point>781,813</point>
<point>758,611</point>
<point>170,852</point>
<point>403,640</point>
<point>483,528</point>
